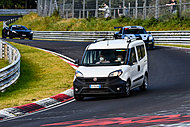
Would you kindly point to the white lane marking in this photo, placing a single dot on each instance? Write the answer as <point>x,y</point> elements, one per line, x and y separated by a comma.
<point>58,54</point>
<point>187,124</point>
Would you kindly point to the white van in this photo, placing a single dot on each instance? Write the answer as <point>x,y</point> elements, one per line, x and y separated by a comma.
<point>111,67</point>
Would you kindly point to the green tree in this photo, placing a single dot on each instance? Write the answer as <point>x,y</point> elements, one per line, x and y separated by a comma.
<point>13,4</point>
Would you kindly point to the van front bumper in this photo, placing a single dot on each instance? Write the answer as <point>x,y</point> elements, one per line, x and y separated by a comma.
<point>106,86</point>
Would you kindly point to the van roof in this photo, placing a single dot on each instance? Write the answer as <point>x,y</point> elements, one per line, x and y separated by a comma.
<point>114,44</point>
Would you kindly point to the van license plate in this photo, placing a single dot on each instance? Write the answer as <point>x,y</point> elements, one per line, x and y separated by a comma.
<point>95,86</point>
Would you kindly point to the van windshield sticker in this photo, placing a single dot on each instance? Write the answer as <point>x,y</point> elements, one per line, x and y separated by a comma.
<point>120,50</point>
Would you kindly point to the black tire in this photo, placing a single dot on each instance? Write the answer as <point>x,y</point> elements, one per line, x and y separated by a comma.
<point>127,89</point>
<point>152,46</point>
<point>78,97</point>
<point>3,34</point>
<point>11,36</point>
<point>115,37</point>
<point>30,38</point>
<point>144,86</point>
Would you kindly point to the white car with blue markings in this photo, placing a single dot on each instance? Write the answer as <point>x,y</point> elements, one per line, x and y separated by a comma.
<point>111,67</point>
<point>135,32</point>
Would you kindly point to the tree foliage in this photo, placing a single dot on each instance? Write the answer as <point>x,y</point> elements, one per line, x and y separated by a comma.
<point>20,4</point>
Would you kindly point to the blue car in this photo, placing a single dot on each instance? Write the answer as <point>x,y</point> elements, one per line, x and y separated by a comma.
<point>137,32</point>
<point>17,31</point>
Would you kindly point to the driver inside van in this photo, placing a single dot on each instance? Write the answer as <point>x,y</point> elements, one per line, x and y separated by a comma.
<point>102,60</point>
<point>119,59</point>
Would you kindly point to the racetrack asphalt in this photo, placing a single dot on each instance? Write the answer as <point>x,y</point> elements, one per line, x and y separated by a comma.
<point>165,102</point>
<point>4,18</point>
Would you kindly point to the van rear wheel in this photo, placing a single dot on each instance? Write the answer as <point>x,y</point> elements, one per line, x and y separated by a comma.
<point>144,86</point>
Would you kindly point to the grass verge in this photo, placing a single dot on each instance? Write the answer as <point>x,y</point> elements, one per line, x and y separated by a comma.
<point>42,75</point>
<point>55,23</point>
<point>175,45</point>
<point>3,63</point>
<point>1,28</point>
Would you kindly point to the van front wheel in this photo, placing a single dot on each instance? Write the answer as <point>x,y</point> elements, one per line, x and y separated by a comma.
<point>127,89</point>
<point>78,97</point>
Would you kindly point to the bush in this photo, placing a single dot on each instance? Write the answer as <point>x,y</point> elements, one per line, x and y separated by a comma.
<point>186,13</point>
<point>56,13</point>
<point>56,23</point>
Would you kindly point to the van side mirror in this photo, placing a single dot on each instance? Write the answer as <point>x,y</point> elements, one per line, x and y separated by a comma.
<point>76,62</point>
<point>132,62</point>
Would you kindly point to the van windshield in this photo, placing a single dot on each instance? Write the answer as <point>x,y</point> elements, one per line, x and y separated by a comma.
<point>104,57</point>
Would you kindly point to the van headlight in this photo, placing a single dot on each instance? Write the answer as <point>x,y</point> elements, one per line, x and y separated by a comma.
<point>115,73</point>
<point>78,74</point>
<point>150,38</point>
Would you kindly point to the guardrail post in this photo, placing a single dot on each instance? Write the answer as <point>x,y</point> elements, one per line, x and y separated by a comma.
<point>110,7</point>
<point>124,8</point>
<point>45,8</point>
<point>79,14</point>
<point>184,7</point>
<point>5,52</point>
<point>129,13</point>
<point>67,14</point>
<point>73,9</point>
<point>87,14</point>
<point>96,12</point>
<point>10,55</point>
<point>114,13</point>
<point>38,5</point>
<point>50,8</point>
<point>136,9</point>
<point>83,8</point>
<point>41,7</point>
<point>14,55</point>
<point>157,9</point>
<point>63,13</point>
<point>8,52</point>
<point>144,9</point>
<point>1,50</point>
<point>180,8</point>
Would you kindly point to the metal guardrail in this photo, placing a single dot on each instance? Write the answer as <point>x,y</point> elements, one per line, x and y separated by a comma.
<point>159,36</point>
<point>17,11</point>
<point>10,73</point>
<point>8,22</point>
<point>73,35</point>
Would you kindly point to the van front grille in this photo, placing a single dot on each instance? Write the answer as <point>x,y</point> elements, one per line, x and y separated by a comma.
<point>99,79</point>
